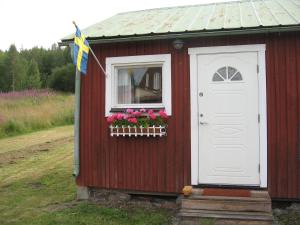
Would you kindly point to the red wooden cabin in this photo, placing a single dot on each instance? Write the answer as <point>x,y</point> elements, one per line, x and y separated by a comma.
<point>227,74</point>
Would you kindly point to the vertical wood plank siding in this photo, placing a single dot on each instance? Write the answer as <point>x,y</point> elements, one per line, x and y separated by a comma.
<point>162,165</point>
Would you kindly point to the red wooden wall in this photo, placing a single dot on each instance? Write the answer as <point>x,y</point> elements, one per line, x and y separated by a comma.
<point>162,165</point>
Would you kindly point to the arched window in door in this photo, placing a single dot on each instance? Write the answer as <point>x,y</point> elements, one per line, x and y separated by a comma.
<point>228,74</point>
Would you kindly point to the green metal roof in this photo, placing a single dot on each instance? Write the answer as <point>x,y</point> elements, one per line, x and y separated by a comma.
<point>251,15</point>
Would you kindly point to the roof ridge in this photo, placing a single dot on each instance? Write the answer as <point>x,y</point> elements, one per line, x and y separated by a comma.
<point>188,6</point>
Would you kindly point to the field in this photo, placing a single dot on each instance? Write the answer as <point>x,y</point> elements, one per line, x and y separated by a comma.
<point>32,110</point>
<point>37,187</point>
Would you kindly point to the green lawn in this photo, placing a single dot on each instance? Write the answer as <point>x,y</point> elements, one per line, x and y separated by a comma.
<point>37,187</point>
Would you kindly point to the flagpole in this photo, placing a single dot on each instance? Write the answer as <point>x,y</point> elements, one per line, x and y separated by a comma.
<point>98,61</point>
<point>77,123</point>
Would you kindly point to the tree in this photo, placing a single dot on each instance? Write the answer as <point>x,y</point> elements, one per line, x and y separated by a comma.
<point>63,78</point>
<point>2,71</point>
<point>33,76</point>
<point>15,72</point>
<point>33,68</point>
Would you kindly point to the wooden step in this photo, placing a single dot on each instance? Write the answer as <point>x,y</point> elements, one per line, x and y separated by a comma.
<point>226,214</point>
<point>253,208</point>
<point>225,217</point>
<point>239,204</point>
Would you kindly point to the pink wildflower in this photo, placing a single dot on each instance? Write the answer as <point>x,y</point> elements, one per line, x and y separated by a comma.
<point>132,120</point>
<point>129,110</point>
<point>142,110</point>
<point>163,114</point>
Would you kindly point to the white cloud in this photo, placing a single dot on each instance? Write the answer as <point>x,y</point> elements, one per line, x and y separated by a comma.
<point>41,23</point>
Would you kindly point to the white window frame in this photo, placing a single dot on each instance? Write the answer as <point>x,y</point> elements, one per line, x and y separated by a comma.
<point>112,63</point>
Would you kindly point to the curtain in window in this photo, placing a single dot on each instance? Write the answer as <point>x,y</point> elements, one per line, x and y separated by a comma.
<point>124,87</point>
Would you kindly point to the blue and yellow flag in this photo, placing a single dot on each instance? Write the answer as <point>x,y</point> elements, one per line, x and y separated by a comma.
<point>81,51</point>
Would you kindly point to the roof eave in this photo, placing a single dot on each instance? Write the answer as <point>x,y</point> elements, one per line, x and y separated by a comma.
<point>187,34</point>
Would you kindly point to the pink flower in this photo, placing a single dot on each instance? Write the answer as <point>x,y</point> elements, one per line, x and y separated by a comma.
<point>132,120</point>
<point>129,110</point>
<point>125,117</point>
<point>152,116</point>
<point>163,114</point>
<point>119,116</point>
<point>142,110</point>
<point>110,119</point>
<point>137,113</point>
<point>150,111</point>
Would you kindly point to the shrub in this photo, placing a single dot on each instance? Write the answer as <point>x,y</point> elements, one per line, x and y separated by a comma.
<point>63,78</point>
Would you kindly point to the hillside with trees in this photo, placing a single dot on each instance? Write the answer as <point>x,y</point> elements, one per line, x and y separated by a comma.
<point>36,68</point>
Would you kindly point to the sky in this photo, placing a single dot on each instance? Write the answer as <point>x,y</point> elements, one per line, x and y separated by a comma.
<point>30,23</point>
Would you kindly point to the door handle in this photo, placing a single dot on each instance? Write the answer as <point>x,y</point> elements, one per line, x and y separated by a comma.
<point>203,123</point>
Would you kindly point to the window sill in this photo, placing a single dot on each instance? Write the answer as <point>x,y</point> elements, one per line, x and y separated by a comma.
<point>116,110</point>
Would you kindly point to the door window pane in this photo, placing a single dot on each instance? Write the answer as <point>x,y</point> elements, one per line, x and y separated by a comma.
<point>139,85</point>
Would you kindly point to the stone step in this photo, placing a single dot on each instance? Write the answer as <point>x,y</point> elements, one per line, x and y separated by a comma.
<point>239,204</point>
<point>191,217</point>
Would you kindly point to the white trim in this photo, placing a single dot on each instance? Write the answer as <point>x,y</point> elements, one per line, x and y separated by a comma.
<point>262,88</point>
<point>162,59</point>
<point>194,119</point>
<point>227,49</point>
<point>193,52</point>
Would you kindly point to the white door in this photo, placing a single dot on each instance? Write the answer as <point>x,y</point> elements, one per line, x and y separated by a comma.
<point>228,119</point>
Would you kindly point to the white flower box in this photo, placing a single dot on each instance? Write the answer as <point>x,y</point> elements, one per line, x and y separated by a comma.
<point>123,131</point>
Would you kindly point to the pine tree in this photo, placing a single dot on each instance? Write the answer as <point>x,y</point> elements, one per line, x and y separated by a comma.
<point>33,76</point>
<point>16,67</point>
<point>2,72</point>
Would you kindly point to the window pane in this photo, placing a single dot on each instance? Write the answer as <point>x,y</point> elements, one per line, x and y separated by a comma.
<point>222,72</point>
<point>237,76</point>
<point>139,85</point>
<point>217,77</point>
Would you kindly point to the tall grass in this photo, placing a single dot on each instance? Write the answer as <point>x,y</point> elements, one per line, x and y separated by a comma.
<point>27,111</point>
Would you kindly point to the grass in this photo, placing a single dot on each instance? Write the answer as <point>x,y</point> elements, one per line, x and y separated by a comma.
<point>28,111</point>
<point>289,218</point>
<point>37,188</point>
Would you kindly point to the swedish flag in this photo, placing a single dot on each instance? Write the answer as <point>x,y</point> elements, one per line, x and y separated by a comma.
<point>81,51</point>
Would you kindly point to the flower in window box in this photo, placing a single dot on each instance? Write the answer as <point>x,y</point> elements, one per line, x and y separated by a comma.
<point>135,123</point>
<point>152,116</point>
<point>111,119</point>
<point>136,113</point>
<point>129,111</point>
<point>163,114</point>
<point>120,116</point>
<point>132,120</point>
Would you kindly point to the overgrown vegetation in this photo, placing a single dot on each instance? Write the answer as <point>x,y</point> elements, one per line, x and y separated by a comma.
<point>36,68</point>
<point>27,111</point>
<point>38,188</point>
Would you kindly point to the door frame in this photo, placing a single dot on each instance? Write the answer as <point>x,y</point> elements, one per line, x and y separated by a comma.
<point>262,104</point>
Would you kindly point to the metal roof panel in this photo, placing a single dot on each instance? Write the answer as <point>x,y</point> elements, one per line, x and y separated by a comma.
<point>197,18</point>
